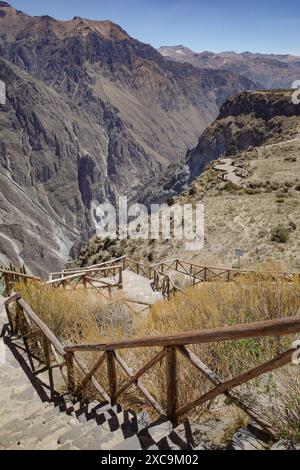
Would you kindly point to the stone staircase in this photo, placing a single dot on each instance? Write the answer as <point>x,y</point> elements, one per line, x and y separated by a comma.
<point>34,416</point>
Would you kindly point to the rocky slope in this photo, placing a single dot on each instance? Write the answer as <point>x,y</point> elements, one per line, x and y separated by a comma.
<point>90,113</point>
<point>246,120</point>
<point>257,212</point>
<point>269,70</point>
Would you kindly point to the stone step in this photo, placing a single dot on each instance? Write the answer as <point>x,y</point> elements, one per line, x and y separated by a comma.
<point>244,439</point>
<point>75,433</point>
<point>119,428</point>
<point>19,433</point>
<point>85,411</point>
<point>180,438</point>
<point>147,438</point>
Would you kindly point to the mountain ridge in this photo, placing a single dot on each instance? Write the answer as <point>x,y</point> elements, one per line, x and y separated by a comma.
<point>268,70</point>
<point>89,115</point>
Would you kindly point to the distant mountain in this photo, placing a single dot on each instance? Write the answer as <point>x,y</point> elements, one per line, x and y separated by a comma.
<point>269,70</point>
<point>91,113</point>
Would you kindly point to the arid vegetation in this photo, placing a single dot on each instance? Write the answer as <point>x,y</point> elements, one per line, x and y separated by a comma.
<point>80,316</point>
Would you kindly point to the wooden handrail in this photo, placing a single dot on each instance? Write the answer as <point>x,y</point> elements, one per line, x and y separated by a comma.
<point>268,328</point>
<point>224,270</point>
<point>170,345</point>
<point>279,361</point>
<point>39,324</point>
<point>21,275</point>
<point>87,268</point>
<point>80,275</point>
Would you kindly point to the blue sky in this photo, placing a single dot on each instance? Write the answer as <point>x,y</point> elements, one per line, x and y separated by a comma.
<point>215,25</point>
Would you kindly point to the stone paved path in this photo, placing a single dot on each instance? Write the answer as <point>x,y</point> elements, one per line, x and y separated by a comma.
<point>35,416</point>
<point>139,288</point>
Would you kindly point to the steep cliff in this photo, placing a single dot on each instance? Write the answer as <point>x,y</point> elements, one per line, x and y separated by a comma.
<point>91,113</point>
<point>246,120</point>
<point>251,198</point>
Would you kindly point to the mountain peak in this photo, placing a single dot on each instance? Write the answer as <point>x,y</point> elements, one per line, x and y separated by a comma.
<point>83,26</point>
<point>8,10</point>
<point>16,21</point>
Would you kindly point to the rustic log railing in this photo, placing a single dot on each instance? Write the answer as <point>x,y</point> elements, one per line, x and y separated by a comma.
<point>138,268</point>
<point>160,273</point>
<point>164,284</point>
<point>24,322</point>
<point>172,345</point>
<point>9,278</point>
<point>200,274</point>
<point>38,339</point>
<point>70,271</point>
<point>105,278</point>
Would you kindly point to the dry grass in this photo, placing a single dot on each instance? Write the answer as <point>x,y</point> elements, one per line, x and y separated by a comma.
<point>86,317</point>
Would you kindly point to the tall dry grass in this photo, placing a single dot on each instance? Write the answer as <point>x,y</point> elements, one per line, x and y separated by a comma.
<point>84,316</point>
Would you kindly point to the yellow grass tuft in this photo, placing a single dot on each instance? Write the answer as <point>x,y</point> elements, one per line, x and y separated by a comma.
<point>85,316</point>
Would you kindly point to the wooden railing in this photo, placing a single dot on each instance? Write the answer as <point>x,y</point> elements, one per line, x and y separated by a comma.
<point>139,268</point>
<point>163,283</point>
<point>160,274</point>
<point>199,274</point>
<point>70,271</point>
<point>24,322</point>
<point>172,345</point>
<point>9,278</point>
<point>92,278</point>
<point>36,335</point>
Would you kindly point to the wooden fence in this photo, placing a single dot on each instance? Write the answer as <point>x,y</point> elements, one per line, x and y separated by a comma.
<point>199,274</point>
<point>24,322</point>
<point>104,278</point>
<point>9,278</point>
<point>71,271</point>
<point>160,274</point>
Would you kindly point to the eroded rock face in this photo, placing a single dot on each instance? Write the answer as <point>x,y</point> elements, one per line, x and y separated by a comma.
<point>91,113</point>
<point>247,120</point>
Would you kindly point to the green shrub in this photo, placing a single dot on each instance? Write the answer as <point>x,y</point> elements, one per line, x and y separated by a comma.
<point>280,235</point>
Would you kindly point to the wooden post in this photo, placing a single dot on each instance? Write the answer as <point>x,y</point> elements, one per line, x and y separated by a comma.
<point>112,375</point>
<point>205,274</point>
<point>70,369</point>
<point>47,351</point>
<point>7,285</point>
<point>19,320</point>
<point>84,280</point>
<point>172,391</point>
<point>120,285</point>
<point>10,320</point>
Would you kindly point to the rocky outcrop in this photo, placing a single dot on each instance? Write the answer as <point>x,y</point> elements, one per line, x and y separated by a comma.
<point>247,120</point>
<point>91,113</point>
